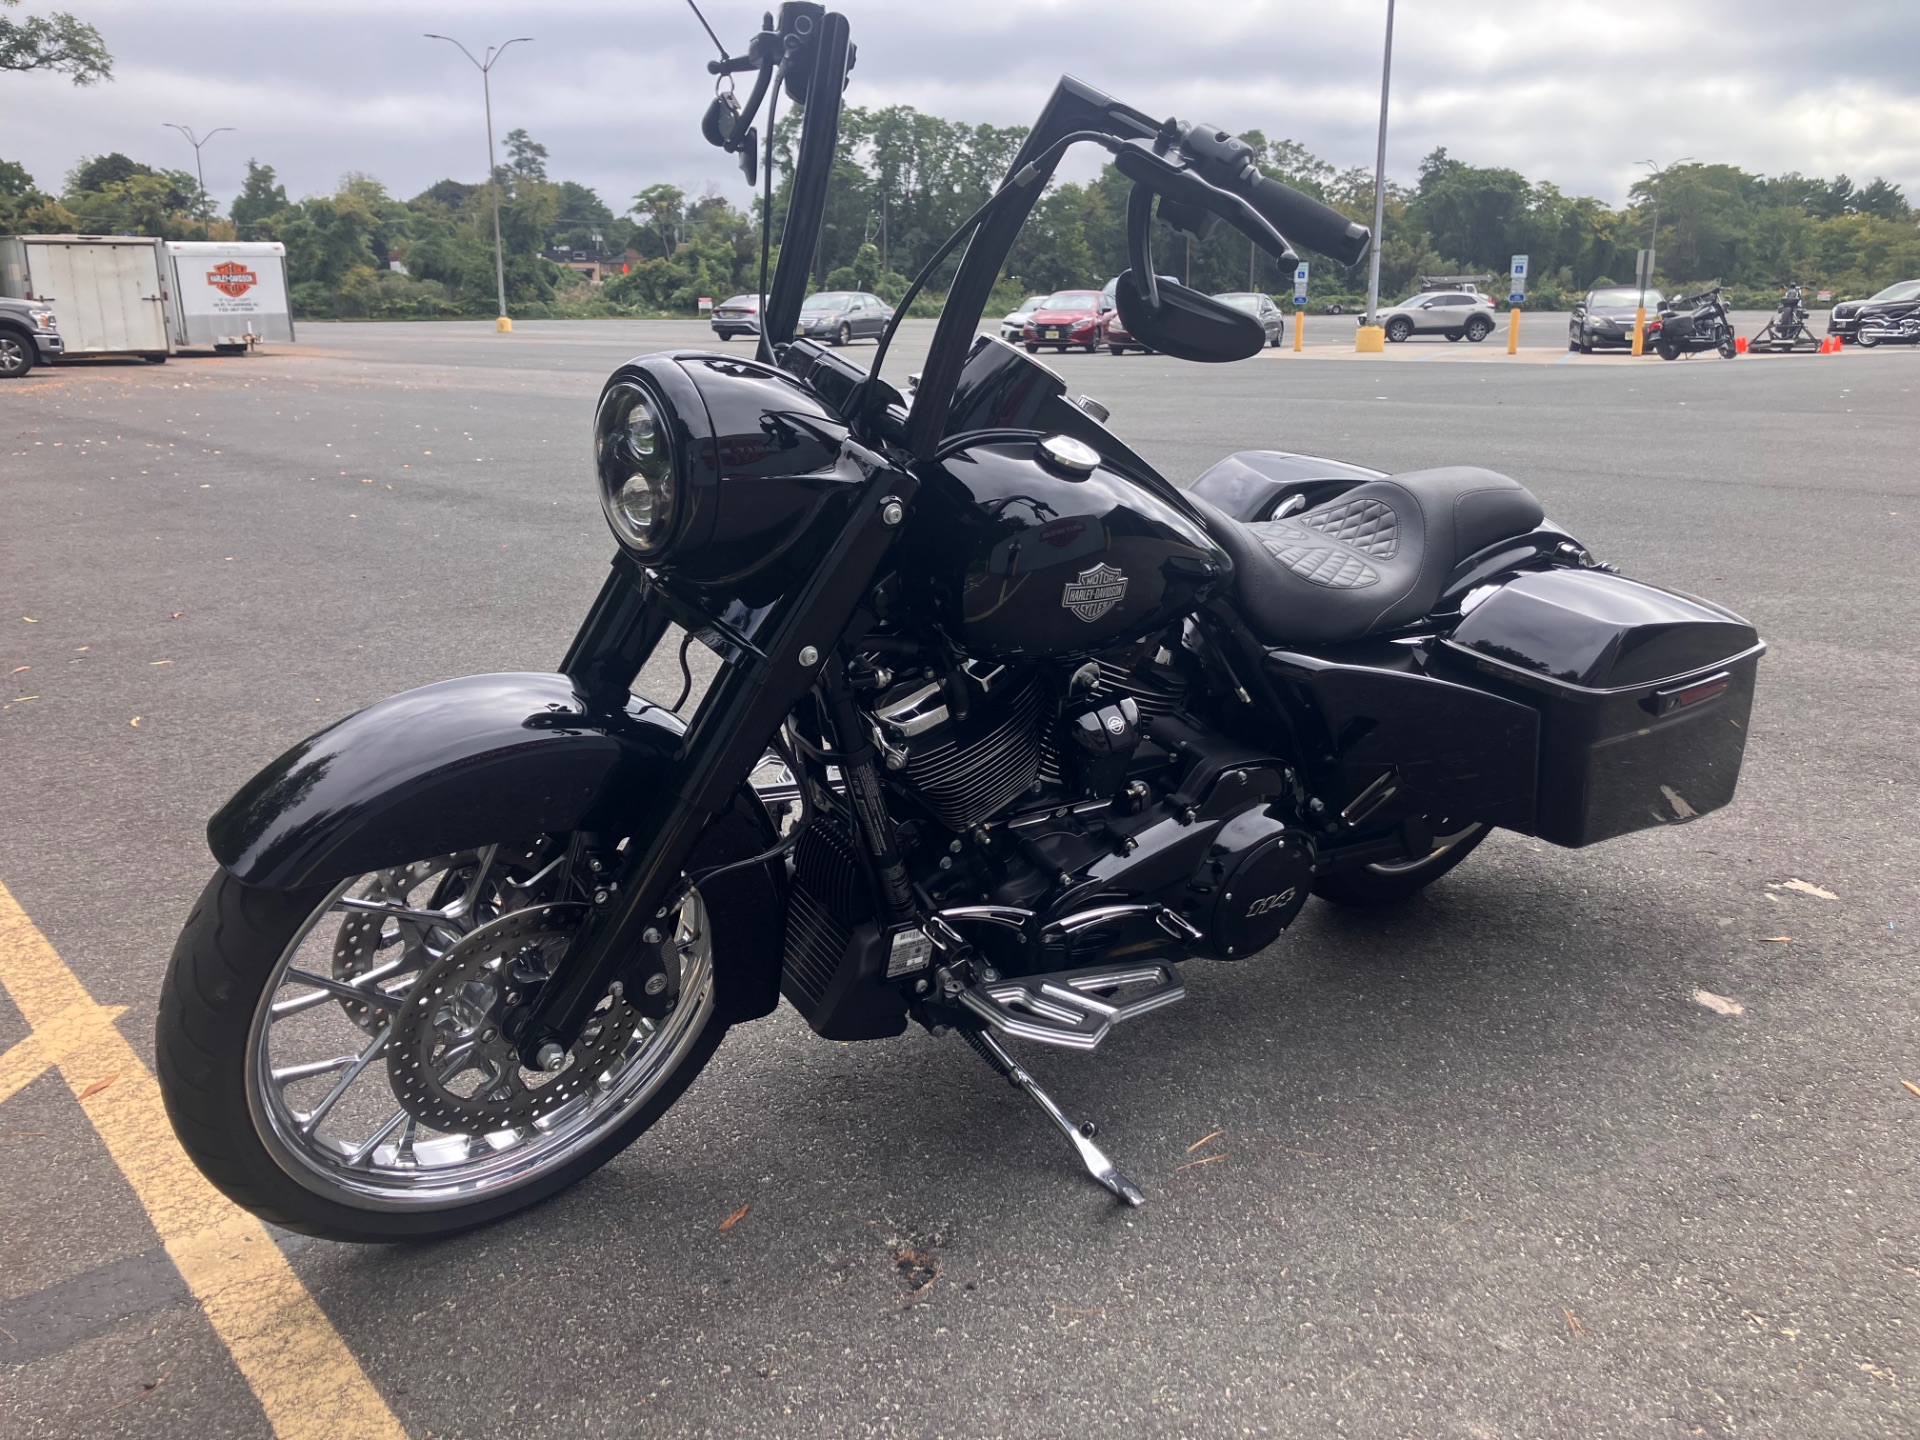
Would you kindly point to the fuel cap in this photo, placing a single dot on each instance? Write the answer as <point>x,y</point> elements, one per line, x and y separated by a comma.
<point>1068,455</point>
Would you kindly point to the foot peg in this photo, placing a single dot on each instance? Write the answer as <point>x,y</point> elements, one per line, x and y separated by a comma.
<point>1073,1009</point>
<point>1081,1136</point>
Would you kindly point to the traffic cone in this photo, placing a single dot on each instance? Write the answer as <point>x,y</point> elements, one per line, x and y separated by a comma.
<point>1740,345</point>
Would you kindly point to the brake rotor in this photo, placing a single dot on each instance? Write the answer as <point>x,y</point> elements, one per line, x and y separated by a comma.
<point>361,943</point>
<point>449,1061</point>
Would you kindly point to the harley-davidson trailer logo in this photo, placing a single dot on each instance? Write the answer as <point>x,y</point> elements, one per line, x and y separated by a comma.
<point>230,277</point>
<point>1095,593</point>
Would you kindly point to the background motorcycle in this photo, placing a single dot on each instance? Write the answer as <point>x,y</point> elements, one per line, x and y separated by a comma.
<point>1787,330</point>
<point>1883,330</point>
<point>1007,728</point>
<point>1689,324</point>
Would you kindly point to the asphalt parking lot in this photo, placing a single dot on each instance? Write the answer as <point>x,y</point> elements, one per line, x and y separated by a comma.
<point>1481,1166</point>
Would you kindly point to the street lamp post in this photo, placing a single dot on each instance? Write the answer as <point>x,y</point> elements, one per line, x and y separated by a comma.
<point>1655,174</point>
<point>1370,337</point>
<point>197,141</point>
<point>503,324</point>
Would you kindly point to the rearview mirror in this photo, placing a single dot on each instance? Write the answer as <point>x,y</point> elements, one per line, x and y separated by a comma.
<point>1187,324</point>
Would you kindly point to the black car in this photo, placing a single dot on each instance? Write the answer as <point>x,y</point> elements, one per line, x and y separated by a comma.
<point>1893,304</point>
<point>29,336</point>
<point>1262,308</point>
<point>1605,317</point>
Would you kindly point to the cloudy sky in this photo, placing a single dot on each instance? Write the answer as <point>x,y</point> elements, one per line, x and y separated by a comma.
<point>1569,90</point>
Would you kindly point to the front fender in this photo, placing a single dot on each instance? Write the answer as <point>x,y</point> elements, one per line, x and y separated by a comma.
<point>450,766</point>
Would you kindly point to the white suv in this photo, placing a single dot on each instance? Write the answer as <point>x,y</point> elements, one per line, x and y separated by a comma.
<point>1453,313</point>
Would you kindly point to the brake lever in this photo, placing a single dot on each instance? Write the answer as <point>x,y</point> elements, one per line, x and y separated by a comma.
<point>1178,182</point>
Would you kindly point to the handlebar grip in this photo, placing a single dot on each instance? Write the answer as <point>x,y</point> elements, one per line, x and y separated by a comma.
<point>1305,221</point>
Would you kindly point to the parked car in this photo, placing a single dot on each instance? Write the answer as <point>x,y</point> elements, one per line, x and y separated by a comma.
<point>1890,306</point>
<point>1113,330</point>
<point>841,316</point>
<point>1452,313</point>
<point>1262,308</point>
<point>1605,317</point>
<point>738,316</point>
<point>1065,319</point>
<point>29,336</point>
<point>1015,320</point>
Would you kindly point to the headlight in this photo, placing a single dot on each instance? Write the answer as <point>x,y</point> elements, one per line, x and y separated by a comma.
<point>634,454</point>
<point>42,318</point>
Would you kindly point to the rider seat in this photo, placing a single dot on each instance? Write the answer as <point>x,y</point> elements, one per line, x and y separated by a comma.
<point>1371,560</point>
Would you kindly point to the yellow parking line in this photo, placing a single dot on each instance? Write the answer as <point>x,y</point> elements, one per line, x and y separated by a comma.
<point>300,1369</point>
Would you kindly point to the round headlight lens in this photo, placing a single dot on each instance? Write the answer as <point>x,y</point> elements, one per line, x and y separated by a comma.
<point>634,454</point>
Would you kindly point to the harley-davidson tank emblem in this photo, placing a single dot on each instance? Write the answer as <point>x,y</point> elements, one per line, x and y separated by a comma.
<point>231,278</point>
<point>1095,593</point>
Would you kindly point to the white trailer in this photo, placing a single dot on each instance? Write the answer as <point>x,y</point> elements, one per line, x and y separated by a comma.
<point>230,294</point>
<point>106,291</point>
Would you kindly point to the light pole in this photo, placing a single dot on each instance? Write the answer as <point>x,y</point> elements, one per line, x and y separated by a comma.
<point>197,141</point>
<point>1370,337</point>
<point>494,52</point>
<point>1655,174</point>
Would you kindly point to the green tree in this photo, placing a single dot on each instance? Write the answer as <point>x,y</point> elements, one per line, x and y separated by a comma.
<point>56,42</point>
<point>261,197</point>
<point>662,209</point>
<point>526,157</point>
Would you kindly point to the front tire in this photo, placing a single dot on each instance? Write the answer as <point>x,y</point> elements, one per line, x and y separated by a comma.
<point>1390,884</point>
<point>1399,330</point>
<point>844,335</point>
<point>16,355</point>
<point>368,1168</point>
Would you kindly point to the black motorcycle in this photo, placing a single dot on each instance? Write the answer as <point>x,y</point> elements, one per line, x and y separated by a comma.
<point>1787,331</point>
<point>1690,324</point>
<point>1887,330</point>
<point>1007,728</point>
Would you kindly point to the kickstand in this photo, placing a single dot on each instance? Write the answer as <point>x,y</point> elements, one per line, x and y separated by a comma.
<point>1091,1155</point>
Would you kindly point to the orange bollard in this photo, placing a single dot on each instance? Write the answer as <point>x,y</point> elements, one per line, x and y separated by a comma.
<point>1740,345</point>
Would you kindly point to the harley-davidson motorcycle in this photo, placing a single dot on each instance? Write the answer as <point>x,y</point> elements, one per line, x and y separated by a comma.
<point>1690,324</point>
<point>1787,330</point>
<point>1007,728</point>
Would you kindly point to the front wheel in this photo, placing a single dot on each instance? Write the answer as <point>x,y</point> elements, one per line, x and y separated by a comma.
<point>1399,880</point>
<point>844,335</point>
<point>16,355</point>
<point>1727,348</point>
<point>333,1059</point>
<point>1399,329</point>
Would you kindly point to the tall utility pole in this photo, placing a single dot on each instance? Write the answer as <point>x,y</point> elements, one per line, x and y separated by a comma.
<point>1654,176</point>
<point>494,52</point>
<point>197,142</point>
<point>1380,179</point>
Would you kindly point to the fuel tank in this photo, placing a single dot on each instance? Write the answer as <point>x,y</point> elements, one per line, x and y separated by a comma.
<point>1025,547</point>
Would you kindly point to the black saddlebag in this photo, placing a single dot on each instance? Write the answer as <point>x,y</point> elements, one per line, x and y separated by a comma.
<point>1643,696</point>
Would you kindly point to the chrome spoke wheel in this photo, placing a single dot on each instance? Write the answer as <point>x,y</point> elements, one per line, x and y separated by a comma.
<point>377,1070</point>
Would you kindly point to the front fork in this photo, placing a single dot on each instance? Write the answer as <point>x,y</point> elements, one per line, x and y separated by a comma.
<point>767,675</point>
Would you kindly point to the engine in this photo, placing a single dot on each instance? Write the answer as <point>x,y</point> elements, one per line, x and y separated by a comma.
<point>1083,796</point>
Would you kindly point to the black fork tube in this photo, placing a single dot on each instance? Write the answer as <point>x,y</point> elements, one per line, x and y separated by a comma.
<point>616,639</point>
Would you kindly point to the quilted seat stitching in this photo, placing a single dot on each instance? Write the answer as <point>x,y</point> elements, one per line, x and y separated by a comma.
<point>1366,524</point>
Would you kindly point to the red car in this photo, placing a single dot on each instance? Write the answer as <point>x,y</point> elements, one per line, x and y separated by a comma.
<point>1065,319</point>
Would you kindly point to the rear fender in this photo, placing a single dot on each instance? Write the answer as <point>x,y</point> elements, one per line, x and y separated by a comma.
<point>450,766</point>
